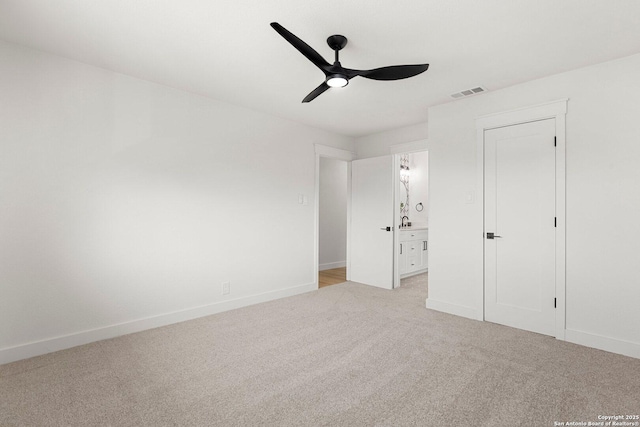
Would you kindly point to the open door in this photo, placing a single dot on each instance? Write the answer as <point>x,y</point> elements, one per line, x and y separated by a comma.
<point>372,221</point>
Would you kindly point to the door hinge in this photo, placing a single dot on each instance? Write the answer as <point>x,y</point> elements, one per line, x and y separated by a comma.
<point>555,221</point>
<point>555,302</point>
<point>555,141</point>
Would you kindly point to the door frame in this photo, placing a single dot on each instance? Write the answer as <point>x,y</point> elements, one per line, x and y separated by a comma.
<point>551,110</point>
<point>338,154</point>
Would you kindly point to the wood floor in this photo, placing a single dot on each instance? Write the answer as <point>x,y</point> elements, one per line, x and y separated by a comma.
<point>332,277</point>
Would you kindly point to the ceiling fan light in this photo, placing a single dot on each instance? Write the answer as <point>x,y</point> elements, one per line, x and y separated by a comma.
<point>337,80</point>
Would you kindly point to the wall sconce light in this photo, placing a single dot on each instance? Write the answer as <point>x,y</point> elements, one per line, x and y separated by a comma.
<point>404,180</point>
<point>404,169</point>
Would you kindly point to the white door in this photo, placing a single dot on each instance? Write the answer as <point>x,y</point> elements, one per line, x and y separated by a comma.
<point>372,221</point>
<point>519,210</point>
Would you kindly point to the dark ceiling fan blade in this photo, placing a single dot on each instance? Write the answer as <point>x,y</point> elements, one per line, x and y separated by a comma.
<point>304,48</point>
<point>394,72</point>
<point>317,91</point>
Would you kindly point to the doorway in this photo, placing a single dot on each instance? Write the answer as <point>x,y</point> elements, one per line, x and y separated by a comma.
<point>412,246</point>
<point>332,177</point>
<point>377,253</point>
<point>332,205</point>
<point>373,220</point>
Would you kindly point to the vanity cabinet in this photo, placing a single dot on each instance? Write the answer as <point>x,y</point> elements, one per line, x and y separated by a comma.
<point>413,252</point>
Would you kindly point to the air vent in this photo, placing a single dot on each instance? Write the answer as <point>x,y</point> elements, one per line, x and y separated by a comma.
<point>468,92</point>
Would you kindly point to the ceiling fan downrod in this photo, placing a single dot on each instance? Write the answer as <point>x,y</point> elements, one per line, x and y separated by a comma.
<point>336,42</point>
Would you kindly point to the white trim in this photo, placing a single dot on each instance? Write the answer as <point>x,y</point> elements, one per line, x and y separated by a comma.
<point>316,221</point>
<point>613,345</point>
<point>331,265</point>
<point>347,156</point>
<point>409,147</point>
<point>348,221</point>
<point>548,110</point>
<point>455,309</point>
<point>24,351</point>
<point>561,226</point>
<point>551,110</point>
<point>334,153</point>
<point>396,220</point>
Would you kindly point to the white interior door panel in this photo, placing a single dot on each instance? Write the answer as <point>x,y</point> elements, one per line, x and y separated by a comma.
<point>371,214</point>
<point>520,211</point>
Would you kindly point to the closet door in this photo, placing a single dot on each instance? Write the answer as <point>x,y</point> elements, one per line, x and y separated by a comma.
<point>519,226</point>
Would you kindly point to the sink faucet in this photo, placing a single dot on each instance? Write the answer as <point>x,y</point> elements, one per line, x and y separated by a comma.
<point>402,223</point>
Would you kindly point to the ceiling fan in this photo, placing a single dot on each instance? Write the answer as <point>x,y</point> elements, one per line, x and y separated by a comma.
<point>336,74</point>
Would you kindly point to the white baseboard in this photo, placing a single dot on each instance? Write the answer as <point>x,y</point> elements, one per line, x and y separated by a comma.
<point>11,354</point>
<point>626,348</point>
<point>330,265</point>
<point>458,310</point>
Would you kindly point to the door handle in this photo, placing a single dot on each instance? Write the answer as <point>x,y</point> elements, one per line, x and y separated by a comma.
<point>492,236</point>
<point>386,229</point>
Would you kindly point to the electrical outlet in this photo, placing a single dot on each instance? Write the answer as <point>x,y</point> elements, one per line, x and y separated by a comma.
<point>226,288</point>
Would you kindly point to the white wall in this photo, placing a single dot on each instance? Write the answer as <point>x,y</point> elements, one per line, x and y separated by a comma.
<point>602,204</point>
<point>378,144</point>
<point>332,213</point>
<point>124,204</point>
<point>419,187</point>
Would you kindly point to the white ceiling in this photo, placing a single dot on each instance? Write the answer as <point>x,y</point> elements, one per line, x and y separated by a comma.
<point>225,49</point>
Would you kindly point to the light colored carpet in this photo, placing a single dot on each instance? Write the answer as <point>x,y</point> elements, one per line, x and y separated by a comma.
<point>346,355</point>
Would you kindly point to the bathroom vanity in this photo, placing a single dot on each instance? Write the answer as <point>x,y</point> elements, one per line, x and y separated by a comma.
<point>413,251</point>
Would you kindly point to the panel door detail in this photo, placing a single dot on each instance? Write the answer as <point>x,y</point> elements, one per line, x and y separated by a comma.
<point>371,214</point>
<point>519,227</point>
